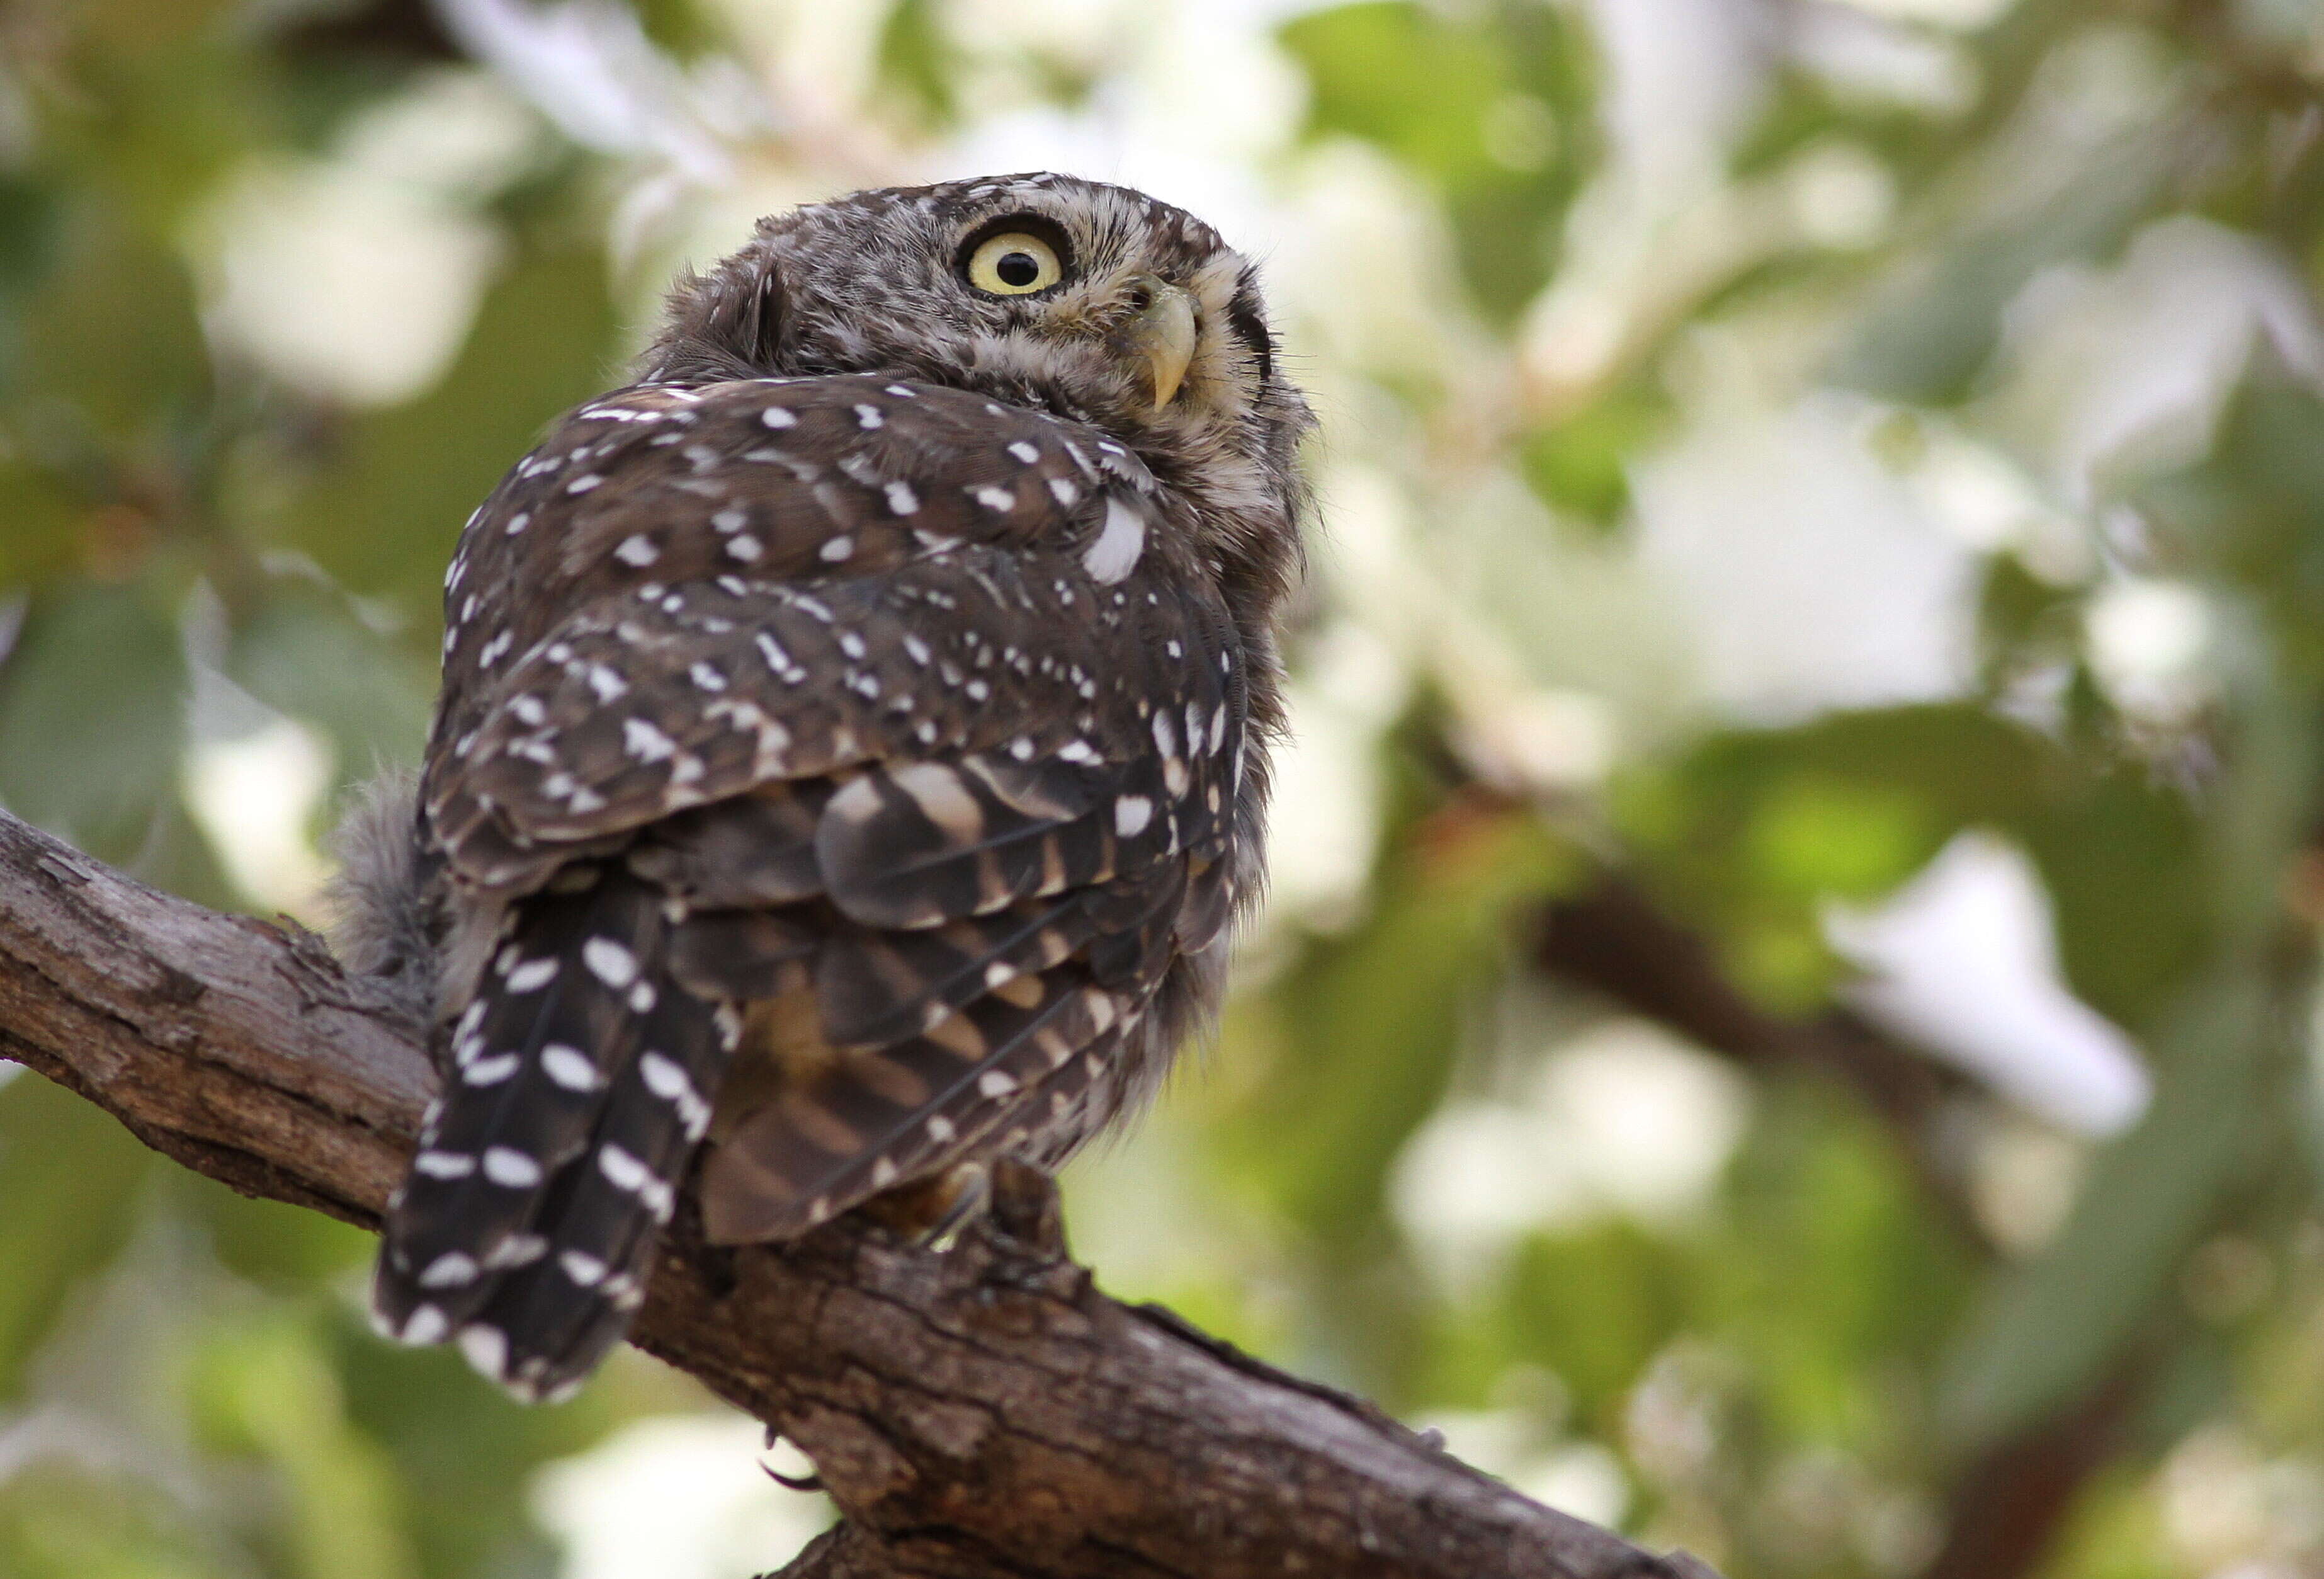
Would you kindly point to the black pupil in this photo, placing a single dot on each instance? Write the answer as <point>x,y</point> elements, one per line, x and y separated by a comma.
<point>1018,269</point>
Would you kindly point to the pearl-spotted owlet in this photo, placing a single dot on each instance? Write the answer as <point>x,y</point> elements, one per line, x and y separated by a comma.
<point>852,752</point>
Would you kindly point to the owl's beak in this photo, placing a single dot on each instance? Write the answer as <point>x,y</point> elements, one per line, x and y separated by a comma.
<point>1161,331</point>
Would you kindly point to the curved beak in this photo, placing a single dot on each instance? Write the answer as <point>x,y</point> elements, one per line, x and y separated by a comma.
<point>1161,332</point>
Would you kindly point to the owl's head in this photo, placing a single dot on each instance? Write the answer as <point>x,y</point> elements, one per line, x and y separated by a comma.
<point>1093,301</point>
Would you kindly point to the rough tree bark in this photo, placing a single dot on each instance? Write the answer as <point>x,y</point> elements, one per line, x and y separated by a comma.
<point>978,1412</point>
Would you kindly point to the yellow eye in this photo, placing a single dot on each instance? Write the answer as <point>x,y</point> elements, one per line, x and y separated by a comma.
<point>1014,263</point>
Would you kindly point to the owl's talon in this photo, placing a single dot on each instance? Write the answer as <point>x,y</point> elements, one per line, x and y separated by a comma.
<point>927,1210</point>
<point>1025,1207</point>
<point>806,1482</point>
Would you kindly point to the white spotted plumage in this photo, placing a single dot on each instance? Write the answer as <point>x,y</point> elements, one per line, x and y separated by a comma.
<point>884,665</point>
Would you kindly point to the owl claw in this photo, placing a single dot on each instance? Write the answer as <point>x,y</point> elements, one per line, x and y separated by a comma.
<point>806,1483</point>
<point>1024,1208</point>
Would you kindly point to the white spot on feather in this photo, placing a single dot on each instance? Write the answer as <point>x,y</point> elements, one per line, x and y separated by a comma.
<point>644,741</point>
<point>1131,813</point>
<point>623,1169</point>
<point>568,1066</point>
<point>504,1165</point>
<point>1114,554</point>
<point>518,1250</point>
<point>610,961</point>
<point>452,1269</point>
<point>490,1071</point>
<point>486,1348</point>
<point>667,1079</point>
<point>532,976</point>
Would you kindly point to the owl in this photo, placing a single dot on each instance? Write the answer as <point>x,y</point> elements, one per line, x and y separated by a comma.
<point>852,753</point>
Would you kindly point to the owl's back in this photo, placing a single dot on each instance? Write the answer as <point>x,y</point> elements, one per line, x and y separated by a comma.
<point>856,775</point>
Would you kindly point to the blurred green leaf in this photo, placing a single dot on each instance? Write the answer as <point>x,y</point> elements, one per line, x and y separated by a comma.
<point>1580,462</point>
<point>1817,837</point>
<point>1367,1025</point>
<point>111,337</point>
<point>143,24</point>
<point>2121,858</point>
<point>92,718</point>
<point>1493,106</point>
<point>1753,831</point>
<point>463,1452</point>
<point>1932,335</point>
<point>2254,511</point>
<point>38,518</point>
<point>1403,77</point>
<point>30,211</point>
<point>72,1178</point>
<point>1593,1307</point>
<point>916,63</point>
<point>1826,1275</point>
<point>2044,1331</point>
<point>65,1519</point>
<point>383,519</point>
<point>283,1248</point>
<point>303,650</point>
<point>163,119</point>
<point>266,1389</point>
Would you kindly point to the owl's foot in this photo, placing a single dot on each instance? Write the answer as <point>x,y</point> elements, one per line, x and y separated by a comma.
<point>1018,1200</point>
<point>931,1209</point>
<point>1025,1208</point>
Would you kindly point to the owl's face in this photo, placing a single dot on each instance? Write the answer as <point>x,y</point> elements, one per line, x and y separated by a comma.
<point>1094,301</point>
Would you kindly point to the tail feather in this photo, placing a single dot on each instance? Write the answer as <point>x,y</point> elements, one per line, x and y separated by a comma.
<point>560,1076</point>
<point>872,1117</point>
<point>549,1323</point>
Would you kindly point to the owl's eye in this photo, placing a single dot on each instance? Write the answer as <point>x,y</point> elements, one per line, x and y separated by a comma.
<point>1014,263</point>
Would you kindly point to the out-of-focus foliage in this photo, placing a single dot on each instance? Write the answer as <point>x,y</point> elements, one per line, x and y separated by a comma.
<point>1852,468</point>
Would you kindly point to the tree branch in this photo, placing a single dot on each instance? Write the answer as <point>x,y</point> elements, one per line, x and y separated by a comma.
<point>978,1412</point>
<point>2009,1505</point>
